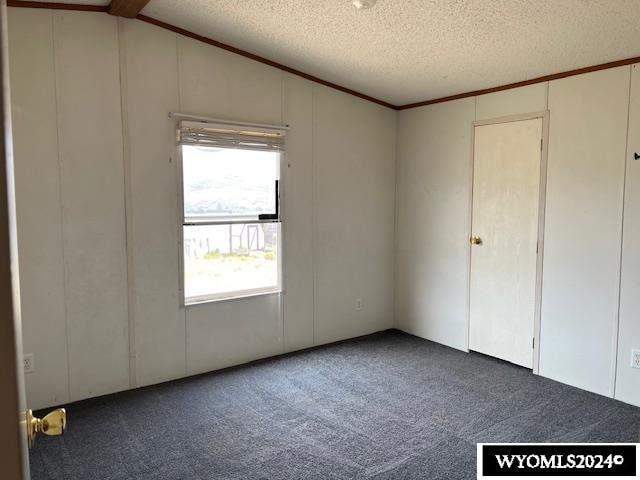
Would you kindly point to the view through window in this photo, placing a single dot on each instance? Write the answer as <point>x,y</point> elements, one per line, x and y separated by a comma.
<point>228,251</point>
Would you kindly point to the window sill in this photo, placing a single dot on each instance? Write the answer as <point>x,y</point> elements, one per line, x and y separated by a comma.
<point>232,296</point>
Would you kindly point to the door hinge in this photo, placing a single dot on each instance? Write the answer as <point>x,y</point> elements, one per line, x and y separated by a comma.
<point>541,142</point>
<point>533,343</point>
<point>537,247</point>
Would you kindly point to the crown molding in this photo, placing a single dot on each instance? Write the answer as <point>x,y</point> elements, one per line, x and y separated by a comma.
<point>57,6</point>
<point>260,59</point>
<point>509,86</point>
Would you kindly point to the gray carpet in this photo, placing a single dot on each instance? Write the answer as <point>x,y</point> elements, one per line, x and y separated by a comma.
<point>384,406</point>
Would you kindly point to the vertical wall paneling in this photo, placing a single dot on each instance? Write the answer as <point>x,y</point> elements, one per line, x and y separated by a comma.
<point>150,52</point>
<point>205,79</point>
<point>90,130</point>
<point>532,98</point>
<point>92,182</point>
<point>434,183</point>
<point>226,333</point>
<point>126,159</point>
<point>354,188</point>
<point>39,214</point>
<point>110,205</point>
<point>628,378</point>
<point>587,140</point>
<point>217,83</point>
<point>297,173</point>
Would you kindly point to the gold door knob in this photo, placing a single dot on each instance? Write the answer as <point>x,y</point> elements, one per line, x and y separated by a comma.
<point>476,241</point>
<point>55,423</point>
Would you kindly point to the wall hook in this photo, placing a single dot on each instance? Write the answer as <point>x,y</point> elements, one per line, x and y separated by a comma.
<point>636,156</point>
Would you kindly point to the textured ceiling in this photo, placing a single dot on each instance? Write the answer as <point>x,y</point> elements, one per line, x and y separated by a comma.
<point>403,51</point>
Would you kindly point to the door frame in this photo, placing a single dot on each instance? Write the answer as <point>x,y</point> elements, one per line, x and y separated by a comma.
<point>542,195</point>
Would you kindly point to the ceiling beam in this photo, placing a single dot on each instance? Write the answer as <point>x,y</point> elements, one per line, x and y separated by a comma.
<point>126,8</point>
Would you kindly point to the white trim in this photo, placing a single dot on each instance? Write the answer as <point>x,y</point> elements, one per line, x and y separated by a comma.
<point>512,118</point>
<point>235,295</point>
<point>249,292</point>
<point>189,222</point>
<point>541,223</point>
<point>616,330</point>
<point>470,225</point>
<point>180,226</point>
<point>542,190</point>
<point>182,221</point>
<point>281,230</point>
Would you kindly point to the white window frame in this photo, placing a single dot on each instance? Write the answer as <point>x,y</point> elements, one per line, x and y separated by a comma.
<point>182,222</point>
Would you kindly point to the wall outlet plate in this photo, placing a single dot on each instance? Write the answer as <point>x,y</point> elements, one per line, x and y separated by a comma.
<point>635,358</point>
<point>29,363</point>
<point>358,304</point>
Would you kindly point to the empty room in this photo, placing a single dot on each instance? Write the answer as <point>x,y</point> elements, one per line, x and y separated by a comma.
<point>332,239</point>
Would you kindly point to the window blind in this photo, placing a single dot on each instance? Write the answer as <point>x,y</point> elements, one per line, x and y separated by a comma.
<point>221,135</point>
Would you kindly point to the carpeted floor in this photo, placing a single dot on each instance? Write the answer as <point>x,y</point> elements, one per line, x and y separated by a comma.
<point>384,406</point>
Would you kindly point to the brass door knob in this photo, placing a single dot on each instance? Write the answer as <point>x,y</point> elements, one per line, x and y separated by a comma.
<point>476,241</point>
<point>55,423</point>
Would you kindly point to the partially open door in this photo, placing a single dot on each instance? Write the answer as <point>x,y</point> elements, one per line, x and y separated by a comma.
<point>19,426</point>
<point>13,442</point>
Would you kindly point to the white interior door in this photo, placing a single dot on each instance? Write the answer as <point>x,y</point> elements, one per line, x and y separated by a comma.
<point>506,187</point>
<point>13,448</point>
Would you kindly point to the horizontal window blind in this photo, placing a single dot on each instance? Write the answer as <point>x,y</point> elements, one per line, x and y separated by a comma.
<point>220,135</point>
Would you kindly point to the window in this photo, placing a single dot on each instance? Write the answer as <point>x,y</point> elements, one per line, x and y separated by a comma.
<point>231,218</point>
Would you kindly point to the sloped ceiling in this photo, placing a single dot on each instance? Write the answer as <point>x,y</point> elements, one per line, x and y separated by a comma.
<point>404,51</point>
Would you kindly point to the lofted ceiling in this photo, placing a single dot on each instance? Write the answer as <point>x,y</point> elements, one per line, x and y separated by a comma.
<point>405,51</point>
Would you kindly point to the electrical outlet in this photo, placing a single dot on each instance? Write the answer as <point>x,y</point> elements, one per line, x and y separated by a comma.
<point>358,304</point>
<point>635,358</point>
<point>29,363</point>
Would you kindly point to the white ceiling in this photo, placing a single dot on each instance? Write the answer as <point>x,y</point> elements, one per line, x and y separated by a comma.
<point>403,51</point>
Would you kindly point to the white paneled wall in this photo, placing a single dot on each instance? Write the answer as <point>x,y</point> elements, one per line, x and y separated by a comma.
<point>39,229</point>
<point>628,379</point>
<point>297,179</point>
<point>102,88</point>
<point>92,191</point>
<point>152,204</point>
<point>587,144</point>
<point>353,211</point>
<point>434,179</point>
<point>220,84</point>
<point>588,138</point>
<point>98,218</point>
<point>214,82</point>
<point>532,98</point>
<point>228,333</point>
